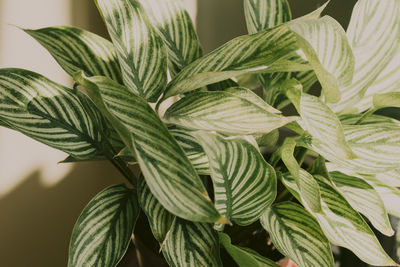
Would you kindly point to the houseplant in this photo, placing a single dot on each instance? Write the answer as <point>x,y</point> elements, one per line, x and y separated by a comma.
<point>150,98</point>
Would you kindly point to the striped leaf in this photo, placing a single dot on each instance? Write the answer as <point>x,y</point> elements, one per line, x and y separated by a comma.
<point>244,257</point>
<point>47,112</point>
<point>386,82</point>
<point>390,195</point>
<point>223,112</point>
<point>103,231</point>
<point>191,244</point>
<point>168,172</point>
<point>265,14</point>
<point>374,42</point>
<point>377,148</point>
<point>344,226</point>
<point>141,51</point>
<point>244,183</point>
<point>325,45</point>
<point>247,54</point>
<point>359,119</point>
<point>363,198</point>
<point>308,186</point>
<point>320,122</point>
<point>193,150</point>
<point>176,29</point>
<point>160,220</point>
<point>76,49</point>
<point>297,235</point>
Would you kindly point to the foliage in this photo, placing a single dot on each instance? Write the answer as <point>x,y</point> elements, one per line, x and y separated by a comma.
<point>205,187</point>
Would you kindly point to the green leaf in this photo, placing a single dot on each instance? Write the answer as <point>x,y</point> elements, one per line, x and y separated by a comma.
<point>223,112</point>
<point>127,155</point>
<point>47,112</point>
<point>344,226</point>
<point>193,150</point>
<point>174,25</point>
<point>265,14</point>
<point>372,51</point>
<point>363,198</point>
<point>334,63</point>
<point>168,172</point>
<point>141,51</point>
<point>297,235</point>
<point>160,220</point>
<point>244,183</point>
<point>320,122</point>
<point>244,257</point>
<point>191,244</point>
<point>267,140</point>
<point>247,54</point>
<point>359,119</point>
<point>76,49</point>
<point>103,231</point>
<point>308,186</point>
<point>391,99</point>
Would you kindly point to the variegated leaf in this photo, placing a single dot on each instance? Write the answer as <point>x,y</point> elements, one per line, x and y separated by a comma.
<point>141,51</point>
<point>372,51</point>
<point>390,195</point>
<point>223,112</point>
<point>247,54</point>
<point>344,226</point>
<point>297,235</point>
<point>359,119</point>
<point>191,244</point>
<point>244,183</point>
<point>363,198</point>
<point>309,188</point>
<point>320,122</point>
<point>244,257</point>
<point>160,220</point>
<point>102,233</point>
<point>176,29</point>
<point>76,49</point>
<point>333,63</point>
<point>391,99</point>
<point>265,14</point>
<point>168,172</point>
<point>48,112</point>
<point>193,150</point>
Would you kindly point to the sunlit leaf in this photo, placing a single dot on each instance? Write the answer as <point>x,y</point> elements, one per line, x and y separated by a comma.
<point>141,51</point>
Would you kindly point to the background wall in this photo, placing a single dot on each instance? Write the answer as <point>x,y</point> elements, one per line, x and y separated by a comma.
<point>40,199</point>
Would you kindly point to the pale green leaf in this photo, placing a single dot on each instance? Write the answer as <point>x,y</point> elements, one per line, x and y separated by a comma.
<point>333,63</point>
<point>268,140</point>
<point>244,257</point>
<point>391,99</point>
<point>193,149</point>
<point>160,220</point>
<point>359,119</point>
<point>373,34</point>
<point>297,235</point>
<point>76,49</point>
<point>48,112</point>
<point>191,244</point>
<point>320,122</point>
<point>174,25</point>
<point>308,186</point>
<point>344,226</point>
<point>247,54</point>
<point>141,51</point>
<point>244,183</point>
<point>168,172</point>
<point>103,231</point>
<point>390,195</point>
<point>223,112</point>
<point>363,198</point>
<point>265,14</point>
